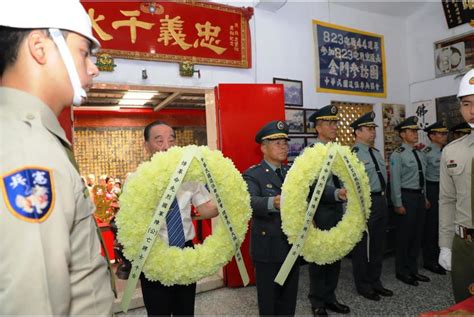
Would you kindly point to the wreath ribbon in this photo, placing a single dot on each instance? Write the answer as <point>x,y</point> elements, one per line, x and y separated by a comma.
<point>236,234</point>
<point>333,151</point>
<point>223,213</point>
<point>156,223</point>
<point>310,211</point>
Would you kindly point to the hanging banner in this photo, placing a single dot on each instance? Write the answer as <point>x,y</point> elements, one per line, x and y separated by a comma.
<point>458,12</point>
<point>349,61</point>
<point>198,32</point>
<point>426,113</point>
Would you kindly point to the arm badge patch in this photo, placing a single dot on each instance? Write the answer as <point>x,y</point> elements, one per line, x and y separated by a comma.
<point>29,193</point>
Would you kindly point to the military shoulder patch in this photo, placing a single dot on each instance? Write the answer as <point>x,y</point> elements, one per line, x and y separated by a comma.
<point>29,193</point>
<point>355,149</point>
<point>400,149</point>
<point>427,149</point>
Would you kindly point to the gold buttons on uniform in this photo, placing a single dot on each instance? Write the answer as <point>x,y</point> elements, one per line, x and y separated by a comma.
<point>263,233</point>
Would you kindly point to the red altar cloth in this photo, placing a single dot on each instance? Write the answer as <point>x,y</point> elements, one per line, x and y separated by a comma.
<point>464,308</point>
<point>108,237</point>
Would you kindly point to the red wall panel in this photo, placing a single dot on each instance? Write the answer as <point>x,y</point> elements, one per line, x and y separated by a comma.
<point>242,109</point>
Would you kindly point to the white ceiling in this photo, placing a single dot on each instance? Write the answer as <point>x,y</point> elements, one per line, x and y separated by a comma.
<point>398,8</point>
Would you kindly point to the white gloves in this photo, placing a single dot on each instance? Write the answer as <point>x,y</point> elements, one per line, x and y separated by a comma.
<point>445,258</point>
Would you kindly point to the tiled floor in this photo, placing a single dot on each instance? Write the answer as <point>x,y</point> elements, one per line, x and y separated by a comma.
<point>408,300</point>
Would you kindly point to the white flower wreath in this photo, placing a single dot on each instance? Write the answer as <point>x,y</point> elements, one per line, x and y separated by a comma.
<point>172,265</point>
<point>324,246</point>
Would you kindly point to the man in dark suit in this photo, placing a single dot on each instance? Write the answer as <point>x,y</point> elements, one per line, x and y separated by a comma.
<point>269,246</point>
<point>324,278</point>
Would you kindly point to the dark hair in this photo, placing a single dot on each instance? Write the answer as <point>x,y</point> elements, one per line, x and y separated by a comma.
<point>10,40</point>
<point>430,134</point>
<point>146,132</point>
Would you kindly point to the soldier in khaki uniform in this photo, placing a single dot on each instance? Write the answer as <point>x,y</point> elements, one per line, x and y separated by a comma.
<point>456,207</point>
<point>50,251</point>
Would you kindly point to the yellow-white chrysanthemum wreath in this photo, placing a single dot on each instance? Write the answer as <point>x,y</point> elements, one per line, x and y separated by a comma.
<point>324,246</point>
<point>172,265</point>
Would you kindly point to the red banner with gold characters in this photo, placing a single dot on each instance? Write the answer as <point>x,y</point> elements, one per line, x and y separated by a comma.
<point>197,32</point>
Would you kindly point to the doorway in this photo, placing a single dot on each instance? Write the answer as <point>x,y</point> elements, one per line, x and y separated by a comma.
<point>107,135</point>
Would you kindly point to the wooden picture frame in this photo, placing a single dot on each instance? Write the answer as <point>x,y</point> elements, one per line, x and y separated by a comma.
<point>295,118</point>
<point>293,90</point>
<point>296,145</point>
<point>309,125</point>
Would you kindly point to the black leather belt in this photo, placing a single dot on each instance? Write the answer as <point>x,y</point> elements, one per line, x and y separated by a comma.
<point>432,183</point>
<point>382,193</point>
<point>410,190</point>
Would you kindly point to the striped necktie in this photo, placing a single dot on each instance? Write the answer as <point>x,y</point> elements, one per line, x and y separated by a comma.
<point>175,226</point>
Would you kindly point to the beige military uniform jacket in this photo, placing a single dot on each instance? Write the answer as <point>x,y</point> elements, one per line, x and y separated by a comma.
<point>50,262</point>
<point>455,188</point>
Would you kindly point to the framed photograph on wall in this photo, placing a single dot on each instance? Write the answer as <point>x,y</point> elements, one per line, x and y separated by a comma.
<point>293,91</point>
<point>295,120</point>
<point>295,147</point>
<point>309,126</point>
<point>447,110</point>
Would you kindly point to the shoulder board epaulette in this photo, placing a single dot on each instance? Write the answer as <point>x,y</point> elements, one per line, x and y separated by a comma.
<point>355,149</point>
<point>254,166</point>
<point>427,149</point>
<point>400,149</point>
<point>457,140</point>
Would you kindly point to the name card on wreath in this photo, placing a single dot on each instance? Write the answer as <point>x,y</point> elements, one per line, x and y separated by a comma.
<point>349,61</point>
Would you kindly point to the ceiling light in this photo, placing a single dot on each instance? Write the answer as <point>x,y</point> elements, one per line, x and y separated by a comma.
<point>133,102</point>
<point>139,95</point>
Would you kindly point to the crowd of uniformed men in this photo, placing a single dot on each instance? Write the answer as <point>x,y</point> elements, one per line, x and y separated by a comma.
<point>49,244</point>
<point>414,184</point>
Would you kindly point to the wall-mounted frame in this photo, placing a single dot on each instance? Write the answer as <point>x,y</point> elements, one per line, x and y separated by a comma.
<point>457,12</point>
<point>309,125</point>
<point>293,91</point>
<point>447,110</point>
<point>296,145</point>
<point>392,115</point>
<point>349,61</point>
<point>295,118</point>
